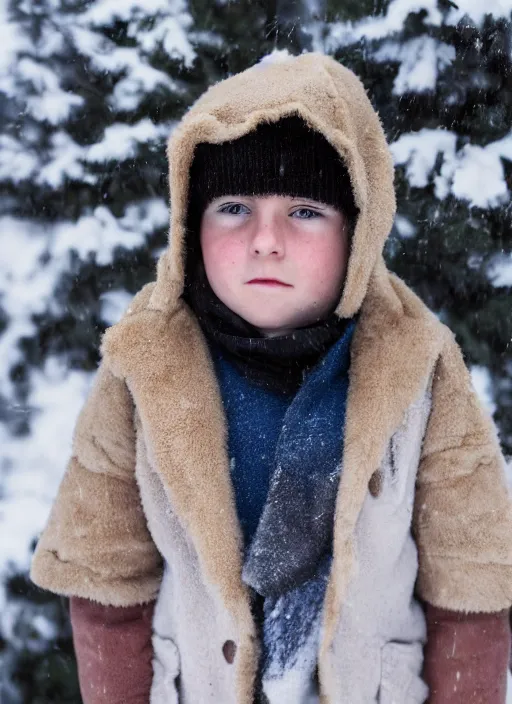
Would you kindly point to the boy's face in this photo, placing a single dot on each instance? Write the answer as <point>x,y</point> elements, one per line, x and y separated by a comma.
<point>298,241</point>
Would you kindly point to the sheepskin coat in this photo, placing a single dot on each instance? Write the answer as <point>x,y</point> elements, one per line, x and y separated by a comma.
<point>146,507</point>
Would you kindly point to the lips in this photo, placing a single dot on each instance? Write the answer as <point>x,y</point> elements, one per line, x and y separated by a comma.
<point>268,282</point>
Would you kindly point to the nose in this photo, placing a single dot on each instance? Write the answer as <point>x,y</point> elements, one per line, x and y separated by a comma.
<point>267,240</point>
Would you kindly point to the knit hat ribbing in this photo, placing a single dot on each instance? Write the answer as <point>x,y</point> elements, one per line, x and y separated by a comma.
<point>286,157</point>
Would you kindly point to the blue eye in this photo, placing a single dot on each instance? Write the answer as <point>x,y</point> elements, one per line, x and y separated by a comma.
<point>224,208</point>
<point>228,208</point>
<point>308,210</point>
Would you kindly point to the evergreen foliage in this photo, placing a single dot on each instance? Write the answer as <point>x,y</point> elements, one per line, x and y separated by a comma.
<point>89,93</point>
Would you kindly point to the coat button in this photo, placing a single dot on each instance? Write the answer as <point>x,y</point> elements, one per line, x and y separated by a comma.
<point>229,650</point>
<point>375,483</point>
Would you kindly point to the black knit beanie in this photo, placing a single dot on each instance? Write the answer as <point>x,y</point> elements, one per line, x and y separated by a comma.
<point>284,157</point>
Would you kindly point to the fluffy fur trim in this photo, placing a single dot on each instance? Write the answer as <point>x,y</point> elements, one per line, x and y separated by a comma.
<point>463,517</point>
<point>332,100</point>
<point>96,543</point>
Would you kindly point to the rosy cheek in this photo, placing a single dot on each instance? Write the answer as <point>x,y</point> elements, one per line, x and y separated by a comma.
<point>230,251</point>
<point>324,264</point>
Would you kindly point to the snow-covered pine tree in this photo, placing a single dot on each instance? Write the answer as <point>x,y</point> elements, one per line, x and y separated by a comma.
<point>93,90</point>
<point>440,75</point>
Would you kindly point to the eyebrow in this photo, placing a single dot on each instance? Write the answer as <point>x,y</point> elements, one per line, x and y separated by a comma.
<point>310,200</point>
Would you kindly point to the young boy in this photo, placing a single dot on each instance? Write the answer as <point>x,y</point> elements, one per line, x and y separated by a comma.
<point>283,487</point>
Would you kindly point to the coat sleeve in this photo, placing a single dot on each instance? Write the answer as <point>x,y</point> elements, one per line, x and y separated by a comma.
<point>96,543</point>
<point>466,656</point>
<point>113,651</point>
<point>463,513</point>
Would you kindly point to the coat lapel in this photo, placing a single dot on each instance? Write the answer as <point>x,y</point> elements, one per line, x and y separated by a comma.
<point>170,374</point>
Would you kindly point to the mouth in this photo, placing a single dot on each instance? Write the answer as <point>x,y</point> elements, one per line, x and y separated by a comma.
<point>268,282</point>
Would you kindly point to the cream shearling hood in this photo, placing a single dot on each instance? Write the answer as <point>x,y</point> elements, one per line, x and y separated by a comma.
<point>331,100</point>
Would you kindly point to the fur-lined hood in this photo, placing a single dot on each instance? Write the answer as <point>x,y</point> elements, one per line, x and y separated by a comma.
<point>331,100</point>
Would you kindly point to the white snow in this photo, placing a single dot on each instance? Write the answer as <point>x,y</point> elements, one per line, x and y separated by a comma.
<point>472,173</point>
<point>152,24</point>
<point>50,102</point>
<point>420,60</point>
<point>105,12</point>
<point>478,175</point>
<point>421,57</point>
<point>169,26</point>
<point>500,270</point>
<point>113,305</point>
<point>381,26</point>
<point>31,468</point>
<point>482,384</point>
<point>97,233</point>
<point>171,34</point>
<point>27,285</point>
<point>16,163</point>
<point>477,9</point>
<point>140,80</point>
<point>65,159</point>
<point>377,27</point>
<point>13,42</point>
<point>64,162</point>
<point>419,150</point>
<point>406,229</point>
<point>276,56</point>
<point>120,141</point>
<point>46,100</point>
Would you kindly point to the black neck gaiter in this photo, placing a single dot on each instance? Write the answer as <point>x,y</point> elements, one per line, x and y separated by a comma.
<point>276,363</point>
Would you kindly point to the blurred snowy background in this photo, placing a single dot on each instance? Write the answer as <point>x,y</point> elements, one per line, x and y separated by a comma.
<point>89,92</point>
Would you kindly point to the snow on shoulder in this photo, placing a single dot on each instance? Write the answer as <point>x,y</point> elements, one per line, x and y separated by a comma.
<point>277,56</point>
